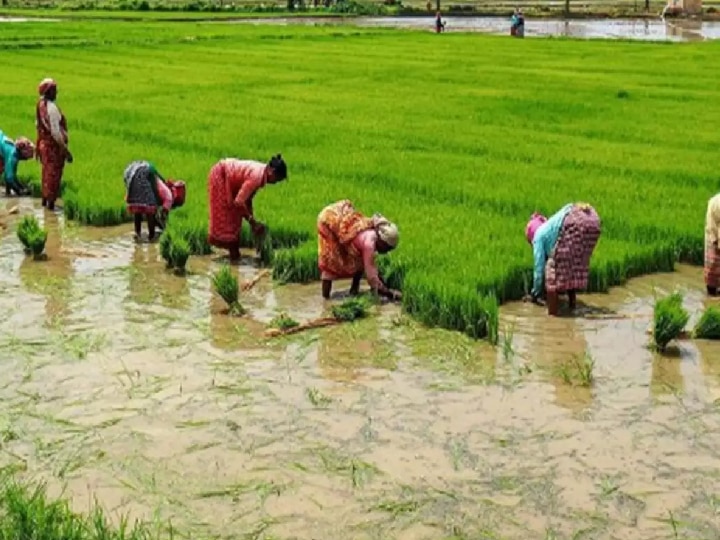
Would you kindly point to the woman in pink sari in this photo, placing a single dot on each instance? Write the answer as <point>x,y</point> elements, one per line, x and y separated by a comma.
<point>232,185</point>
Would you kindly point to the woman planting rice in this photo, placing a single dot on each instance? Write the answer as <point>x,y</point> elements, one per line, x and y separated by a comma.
<point>147,193</point>
<point>232,185</point>
<point>347,243</point>
<point>12,152</point>
<point>562,247</point>
<point>712,254</point>
<point>52,142</point>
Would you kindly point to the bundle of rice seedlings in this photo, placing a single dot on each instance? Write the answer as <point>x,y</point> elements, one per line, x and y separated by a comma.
<point>27,225</point>
<point>265,250</point>
<point>226,285</point>
<point>179,253</point>
<point>351,309</point>
<point>708,327</point>
<point>36,240</point>
<point>165,250</point>
<point>670,319</point>
<point>283,321</point>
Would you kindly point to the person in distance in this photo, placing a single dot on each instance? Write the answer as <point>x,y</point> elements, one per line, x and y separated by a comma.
<point>232,185</point>
<point>562,248</point>
<point>712,253</point>
<point>347,244</point>
<point>148,194</point>
<point>52,142</point>
<point>11,153</point>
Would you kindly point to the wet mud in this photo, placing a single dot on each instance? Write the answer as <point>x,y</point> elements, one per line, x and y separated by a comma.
<point>126,383</point>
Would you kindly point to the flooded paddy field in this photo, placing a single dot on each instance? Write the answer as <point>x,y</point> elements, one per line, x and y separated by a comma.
<point>125,383</point>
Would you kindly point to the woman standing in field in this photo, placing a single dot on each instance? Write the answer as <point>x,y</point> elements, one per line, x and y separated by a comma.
<point>562,248</point>
<point>12,152</point>
<point>712,253</point>
<point>347,243</point>
<point>52,142</point>
<point>147,193</point>
<point>232,185</point>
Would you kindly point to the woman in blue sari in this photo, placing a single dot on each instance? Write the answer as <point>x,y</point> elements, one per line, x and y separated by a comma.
<point>11,153</point>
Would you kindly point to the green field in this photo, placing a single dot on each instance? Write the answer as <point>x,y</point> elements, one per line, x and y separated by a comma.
<point>459,138</point>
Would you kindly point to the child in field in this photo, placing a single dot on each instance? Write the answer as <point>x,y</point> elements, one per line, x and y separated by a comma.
<point>148,194</point>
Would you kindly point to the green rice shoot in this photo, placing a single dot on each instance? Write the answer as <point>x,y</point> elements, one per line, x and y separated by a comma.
<point>37,239</point>
<point>179,253</point>
<point>283,322</point>
<point>708,327</point>
<point>351,309</point>
<point>28,224</point>
<point>670,319</point>
<point>225,283</point>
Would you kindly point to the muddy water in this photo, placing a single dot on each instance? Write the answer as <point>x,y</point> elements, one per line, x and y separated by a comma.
<point>652,29</point>
<point>126,383</point>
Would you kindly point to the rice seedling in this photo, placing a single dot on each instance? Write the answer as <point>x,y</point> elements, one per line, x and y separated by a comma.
<point>450,277</point>
<point>26,228</point>
<point>283,321</point>
<point>179,254</point>
<point>669,320</point>
<point>350,310</point>
<point>225,283</point>
<point>708,327</point>
<point>578,371</point>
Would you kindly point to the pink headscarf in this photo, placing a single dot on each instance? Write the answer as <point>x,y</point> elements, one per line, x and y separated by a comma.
<point>45,85</point>
<point>533,225</point>
<point>25,148</point>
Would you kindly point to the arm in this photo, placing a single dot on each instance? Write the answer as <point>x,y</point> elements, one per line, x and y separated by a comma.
<point>713,221</point>
<point>539,260</point>
<point>367,249</point>
<point>11,164</point>
<point>243,201</point>
<point>55,130</point>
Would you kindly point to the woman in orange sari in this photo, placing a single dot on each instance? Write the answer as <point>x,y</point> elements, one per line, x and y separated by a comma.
<point>52,142</point>
<point>347,244</point>
<point>232,185</point>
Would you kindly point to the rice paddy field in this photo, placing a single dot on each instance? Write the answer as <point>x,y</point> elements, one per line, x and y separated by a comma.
<point>129,385</point>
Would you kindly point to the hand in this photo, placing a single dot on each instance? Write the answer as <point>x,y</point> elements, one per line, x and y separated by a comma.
<point>258,229</point>
<point>69,157</point>
<point>395,296</point>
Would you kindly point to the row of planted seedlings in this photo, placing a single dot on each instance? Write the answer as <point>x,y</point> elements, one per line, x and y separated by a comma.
<point>670,321</point>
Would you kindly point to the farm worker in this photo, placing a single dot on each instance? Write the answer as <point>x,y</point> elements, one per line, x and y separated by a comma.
<point>52,142</point>
<point>439,24</point>
<point>562,247</point>
<point>12,152</point>
<point>232,185</point>
<point>712,254</point>
<point>347,244</point>
<point>147,193</point>
<point>517,23</point>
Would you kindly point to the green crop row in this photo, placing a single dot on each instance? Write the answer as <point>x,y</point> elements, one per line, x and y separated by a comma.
<point>458,138</point>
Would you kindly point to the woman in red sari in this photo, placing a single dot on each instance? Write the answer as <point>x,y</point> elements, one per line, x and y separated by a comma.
<point>232,184</point>
<point>52,142</point>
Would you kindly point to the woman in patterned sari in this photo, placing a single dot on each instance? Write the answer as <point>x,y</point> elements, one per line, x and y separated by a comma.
<point>562,248</point>
<point>12,152</point>
<point>347,244</point>
<point>712,253</point>
<point>148,194</point>
<point>232,185</point>
<point>52,142</point>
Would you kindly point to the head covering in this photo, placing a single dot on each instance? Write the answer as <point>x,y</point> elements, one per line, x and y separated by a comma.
<point>533,225</point>
<point>386,230</point>
<point>25,148</point>
<point>45,85</point>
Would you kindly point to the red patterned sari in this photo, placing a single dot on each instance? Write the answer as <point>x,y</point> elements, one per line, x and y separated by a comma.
<point>52,155</point>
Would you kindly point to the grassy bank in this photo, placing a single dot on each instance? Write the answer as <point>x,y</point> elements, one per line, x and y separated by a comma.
<point>458,138</point>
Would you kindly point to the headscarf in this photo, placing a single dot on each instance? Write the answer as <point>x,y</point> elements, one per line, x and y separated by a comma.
<point>533,225</point>
<point>45,86</point>
<point>386,230</point>
<point>25,148</point>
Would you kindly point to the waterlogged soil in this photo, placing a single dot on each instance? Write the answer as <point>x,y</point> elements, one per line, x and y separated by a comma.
<point>655,29</point>
<point>126,383</point>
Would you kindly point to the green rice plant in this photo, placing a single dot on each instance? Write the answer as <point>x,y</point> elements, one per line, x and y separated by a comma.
<point>265,250</point>
<point>669,320</point>
<point>26,228</point>
<point>37,239</point>
<point>708,327</point>
<point>27,512</point>
<point>179,253</point>
<point>351,309</point>
<point>578,371</point>
<point>226,285</point>
<point>283,321</point>
<point>462,241</point>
